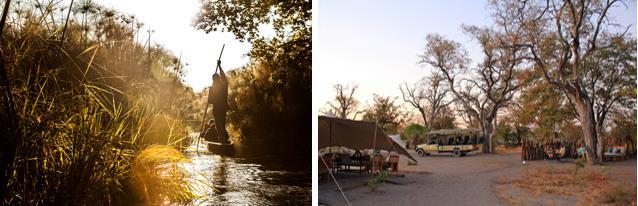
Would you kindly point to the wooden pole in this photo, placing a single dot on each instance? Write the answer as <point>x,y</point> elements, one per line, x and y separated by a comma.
<point>202,128</point>
<point>219,58</point>
<point>330,139</point>
<point>374,140</point>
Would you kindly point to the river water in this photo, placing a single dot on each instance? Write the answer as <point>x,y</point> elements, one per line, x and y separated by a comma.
<point>252,176</point>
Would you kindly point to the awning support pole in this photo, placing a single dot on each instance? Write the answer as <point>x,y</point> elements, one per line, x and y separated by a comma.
<point>330,141</point>
<point>374,139</point>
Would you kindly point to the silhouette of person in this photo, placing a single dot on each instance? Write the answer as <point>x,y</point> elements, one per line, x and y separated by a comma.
<point>219,94</point>
<point>210,133</point>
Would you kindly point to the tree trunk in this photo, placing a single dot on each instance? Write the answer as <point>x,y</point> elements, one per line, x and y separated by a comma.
<point>492,134</point>
<point>586,115</point>
<point>487,131</point>
<point>426,123</point>
<point>343,113</point>
<point>600,147</point>
<point>523,150</point>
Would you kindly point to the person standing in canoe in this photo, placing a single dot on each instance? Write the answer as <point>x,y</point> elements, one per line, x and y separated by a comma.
<point>218,96</point>
<point>210,133</point>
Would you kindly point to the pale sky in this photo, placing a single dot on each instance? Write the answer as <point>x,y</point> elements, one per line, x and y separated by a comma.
<point>376,44</point>
<point>172,22</point>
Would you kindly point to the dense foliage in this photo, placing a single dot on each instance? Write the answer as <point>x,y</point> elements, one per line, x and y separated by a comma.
<point>414,134</point>
<point>84,105</point>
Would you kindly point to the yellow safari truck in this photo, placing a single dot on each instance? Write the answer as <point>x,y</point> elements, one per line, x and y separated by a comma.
<point>452,141</point>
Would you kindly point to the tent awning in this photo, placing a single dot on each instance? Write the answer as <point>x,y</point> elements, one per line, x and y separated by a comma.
<point>356,135</point>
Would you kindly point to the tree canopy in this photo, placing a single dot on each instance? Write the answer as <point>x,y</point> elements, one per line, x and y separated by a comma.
<point>244,18</point>
<point>386,113</point>
<point>571,42</point>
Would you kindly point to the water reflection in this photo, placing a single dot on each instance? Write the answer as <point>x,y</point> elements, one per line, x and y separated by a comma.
<point>247,178</point>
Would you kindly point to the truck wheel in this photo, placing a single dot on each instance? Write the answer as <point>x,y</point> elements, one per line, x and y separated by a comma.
<point>420,152</point>
<point>457,153</point>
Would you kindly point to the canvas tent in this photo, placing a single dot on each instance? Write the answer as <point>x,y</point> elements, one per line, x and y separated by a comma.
<point>356,135</point>
<point>397,138</point>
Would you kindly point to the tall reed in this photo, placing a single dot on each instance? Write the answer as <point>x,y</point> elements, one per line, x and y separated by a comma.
<point>86,105</point>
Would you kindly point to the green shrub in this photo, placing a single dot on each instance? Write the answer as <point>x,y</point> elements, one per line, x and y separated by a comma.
<point>379,179</point>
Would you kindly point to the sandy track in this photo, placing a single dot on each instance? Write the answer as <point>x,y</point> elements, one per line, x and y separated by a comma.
<point>436,180</point>
<point>444,180</point>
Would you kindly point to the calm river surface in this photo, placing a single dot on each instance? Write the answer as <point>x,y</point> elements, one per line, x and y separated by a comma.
<point>250,177</point>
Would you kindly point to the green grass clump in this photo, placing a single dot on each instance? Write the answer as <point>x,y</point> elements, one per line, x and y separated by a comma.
<point>379,179</point>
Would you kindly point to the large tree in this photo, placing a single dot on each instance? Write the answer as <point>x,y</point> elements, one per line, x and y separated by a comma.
<point>386,113</point>
<point>428,96</point>
<point>575,46</point>
<point>344,104</point>
<point>493,81</point>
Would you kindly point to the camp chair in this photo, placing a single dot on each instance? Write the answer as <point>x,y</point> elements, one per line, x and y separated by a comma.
<point>394,163</point>
<point>336,162</point>
<point>359,161</point>
<point>377,163</point>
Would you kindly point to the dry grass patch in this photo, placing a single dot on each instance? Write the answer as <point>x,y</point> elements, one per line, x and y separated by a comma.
<point>563,181</point>
<point>609,195</point>
<point>591,186</point>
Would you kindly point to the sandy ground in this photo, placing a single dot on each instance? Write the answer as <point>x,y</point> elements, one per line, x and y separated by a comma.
<point>447,180</point>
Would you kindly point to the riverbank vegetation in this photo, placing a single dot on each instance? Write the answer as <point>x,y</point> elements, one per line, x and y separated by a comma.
<point>81,98</point>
